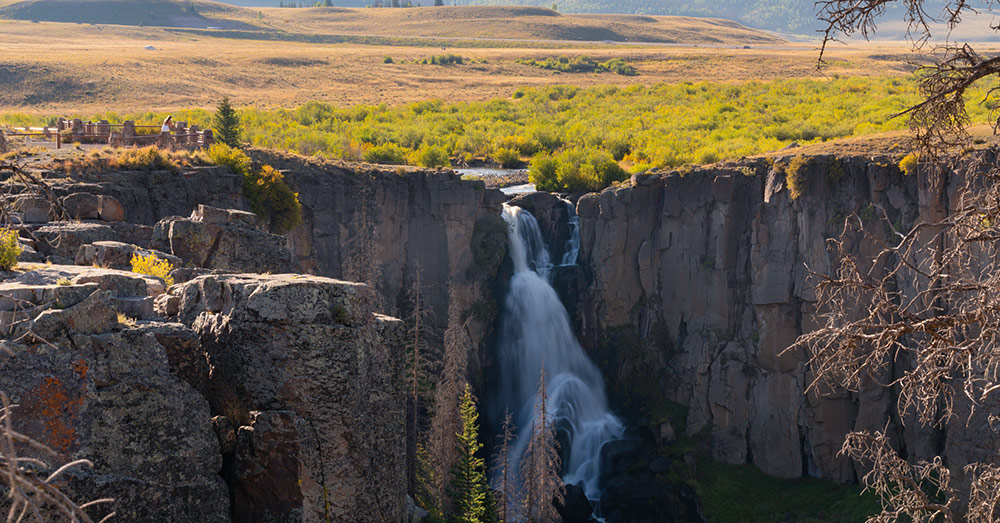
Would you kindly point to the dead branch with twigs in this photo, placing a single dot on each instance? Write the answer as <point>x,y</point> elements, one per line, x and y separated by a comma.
<point>923,316</point>
<point>29,485</point>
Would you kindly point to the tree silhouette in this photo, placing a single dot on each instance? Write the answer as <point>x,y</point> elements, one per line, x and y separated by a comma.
<point>540,466</point>
<point>469,491</point>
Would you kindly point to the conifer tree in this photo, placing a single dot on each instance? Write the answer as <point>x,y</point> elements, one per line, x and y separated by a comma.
<point>505,480</point>
<point>446,421</point>
<point>469,490</point>
<point>540,466</point>
<point>227,124</point>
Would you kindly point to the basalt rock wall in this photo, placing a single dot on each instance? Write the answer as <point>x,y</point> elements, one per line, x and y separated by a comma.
<point>432,221</point>
<point>699,284</point>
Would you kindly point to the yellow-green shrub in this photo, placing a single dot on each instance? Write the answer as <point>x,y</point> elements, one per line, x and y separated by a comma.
<point>507,157</point>
<point>10,249</point>
<point>153,266</point>
<point>272,200</point>
<point>430,156</point>
<point>236,160</point>
<point>797,176</point>
<point>385,153</point>
<point>909,163</point>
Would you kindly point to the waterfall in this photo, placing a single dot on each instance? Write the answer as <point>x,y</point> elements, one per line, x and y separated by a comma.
<point>536,328</point>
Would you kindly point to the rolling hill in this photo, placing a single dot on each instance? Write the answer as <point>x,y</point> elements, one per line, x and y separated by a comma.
<point>333,24</point>
<point>785,16</point>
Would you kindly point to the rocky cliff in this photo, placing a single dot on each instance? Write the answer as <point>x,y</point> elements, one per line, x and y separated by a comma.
<point>700,282</point>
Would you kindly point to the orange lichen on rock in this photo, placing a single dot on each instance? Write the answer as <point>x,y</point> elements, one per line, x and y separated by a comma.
<point>59,408</point>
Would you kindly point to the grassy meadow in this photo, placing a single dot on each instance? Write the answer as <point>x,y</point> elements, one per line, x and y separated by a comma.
<point>639,127</point>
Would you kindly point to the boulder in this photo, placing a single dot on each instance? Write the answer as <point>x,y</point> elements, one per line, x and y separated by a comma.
<point>33,209</point>
<point>109,209</point>
<point>63,240</point>
<point>314,380</point>
<point>106,395</point>
<point>82,206</point>
<point>221,239</point>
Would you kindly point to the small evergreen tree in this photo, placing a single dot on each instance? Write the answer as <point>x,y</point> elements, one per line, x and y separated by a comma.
<point>227,124</point>
<point>469,490</point>
<point>438,3</point>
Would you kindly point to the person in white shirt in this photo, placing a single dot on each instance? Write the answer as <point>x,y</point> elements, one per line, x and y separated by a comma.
<point>168,124</point>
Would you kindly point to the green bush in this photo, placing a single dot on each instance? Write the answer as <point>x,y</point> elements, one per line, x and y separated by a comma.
<point>443,59</point>
<point>542,173</point>
<point>797,176</point>
<point>387,60</point>
<point>386,153</point>
<point>507,157</point>
<point>272,200</point>
<point>430,156</point>
<point>236,160</point>
<point>10,249</point>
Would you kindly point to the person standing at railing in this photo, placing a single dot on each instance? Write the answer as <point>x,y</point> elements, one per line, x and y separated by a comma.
<point>168,124</point>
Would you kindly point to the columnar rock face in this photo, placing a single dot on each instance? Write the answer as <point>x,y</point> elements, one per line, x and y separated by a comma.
<point>710,272</point>
<point>311,381</point>
<point>450,229</point>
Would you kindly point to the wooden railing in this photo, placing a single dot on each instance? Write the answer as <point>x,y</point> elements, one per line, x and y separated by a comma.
<point>117,135</point>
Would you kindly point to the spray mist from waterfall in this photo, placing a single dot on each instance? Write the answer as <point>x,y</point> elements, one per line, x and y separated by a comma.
<point>536,329</point>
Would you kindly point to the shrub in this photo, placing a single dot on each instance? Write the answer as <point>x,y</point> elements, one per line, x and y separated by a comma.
<point>272,200</point>
<point>10,249</point>
<point>153,266</point>
<point>387,60</point>
<point>576,170</point>
<point>385,153</point>
<point>797,176</point>
<point>443,59</point>
<point>236,160</point>
<point>144,159</point>
<point>909,164</point>
<point>542,173</point>
<point>430,156</point>
<point>507,157</point>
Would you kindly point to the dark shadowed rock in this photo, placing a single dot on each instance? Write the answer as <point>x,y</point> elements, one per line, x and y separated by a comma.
<point>576,508</point>
<point>314,379</point>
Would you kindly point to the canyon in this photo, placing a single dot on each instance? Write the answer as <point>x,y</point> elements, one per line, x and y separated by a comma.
<point>689,289</point>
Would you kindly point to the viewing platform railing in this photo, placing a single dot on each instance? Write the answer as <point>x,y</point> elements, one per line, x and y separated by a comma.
<point>116,135</point>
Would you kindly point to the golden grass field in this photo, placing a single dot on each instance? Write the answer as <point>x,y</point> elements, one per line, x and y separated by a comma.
<point>74,68</point>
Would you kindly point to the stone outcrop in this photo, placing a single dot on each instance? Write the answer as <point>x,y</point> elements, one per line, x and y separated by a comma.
<point>223,239</point>
<point>701,282</point>
<point>118,255</point>
<point>311,382</point>
<point>98,390</point>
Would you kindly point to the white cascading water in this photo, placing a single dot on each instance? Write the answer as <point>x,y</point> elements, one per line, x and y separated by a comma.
<point>536,329</point>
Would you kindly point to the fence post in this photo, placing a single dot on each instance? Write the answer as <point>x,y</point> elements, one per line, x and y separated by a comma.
<point>193,135</point>
<point>59,140</point>
<point>3,142</point>
<point>128,132</point>
<point>207,139</point>
<point>103,128</point>
<point>77,126</point>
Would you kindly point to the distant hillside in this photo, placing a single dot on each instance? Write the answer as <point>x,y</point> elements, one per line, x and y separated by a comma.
<point>162,13</point>
<point>787,16</point>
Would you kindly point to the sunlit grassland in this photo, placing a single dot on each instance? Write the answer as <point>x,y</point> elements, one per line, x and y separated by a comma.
<point>643,127</point>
